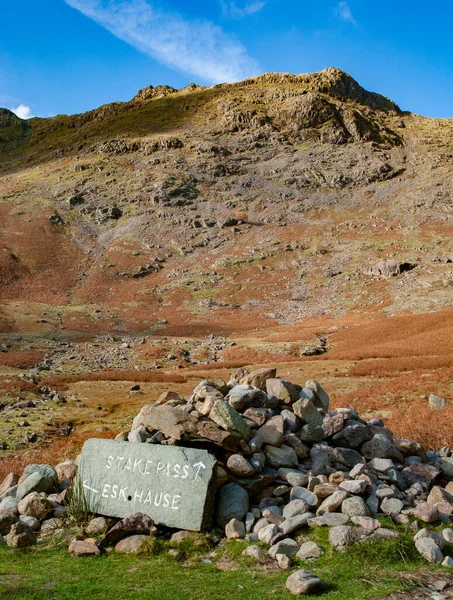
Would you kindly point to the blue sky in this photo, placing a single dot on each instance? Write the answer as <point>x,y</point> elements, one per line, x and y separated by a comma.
<point>68,56</point>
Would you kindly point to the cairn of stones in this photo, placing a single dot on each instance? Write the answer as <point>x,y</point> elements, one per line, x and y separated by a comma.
<point>285,463</point>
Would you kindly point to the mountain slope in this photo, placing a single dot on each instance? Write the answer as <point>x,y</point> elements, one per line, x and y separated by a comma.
<point>228,208</point>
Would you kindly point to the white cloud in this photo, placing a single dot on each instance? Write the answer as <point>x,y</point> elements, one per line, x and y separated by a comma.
<point>23,111</point>
<point>343,12</point>
<point>230,8</point>
<point>196,47</point>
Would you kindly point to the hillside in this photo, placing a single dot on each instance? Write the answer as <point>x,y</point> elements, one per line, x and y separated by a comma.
<point>225,208</point>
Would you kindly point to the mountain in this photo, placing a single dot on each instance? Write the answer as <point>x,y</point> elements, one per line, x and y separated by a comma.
<point>236,207</point>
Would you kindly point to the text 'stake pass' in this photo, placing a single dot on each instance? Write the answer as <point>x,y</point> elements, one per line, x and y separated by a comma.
<point>175,486</point>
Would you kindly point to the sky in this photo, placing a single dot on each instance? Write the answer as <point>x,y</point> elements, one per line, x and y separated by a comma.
<point>69,56</point>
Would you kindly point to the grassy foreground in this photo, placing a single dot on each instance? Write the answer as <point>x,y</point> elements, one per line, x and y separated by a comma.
<point>369,571</point>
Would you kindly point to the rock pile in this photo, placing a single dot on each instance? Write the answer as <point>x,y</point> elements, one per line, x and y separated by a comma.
<point>34,502</point>
<point>286,464</point>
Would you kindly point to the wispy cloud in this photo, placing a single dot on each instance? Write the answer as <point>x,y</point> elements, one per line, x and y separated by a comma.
<point>343,12</point>
<point>196,47</point>
<point>231,10</point>
<point>23,111</point>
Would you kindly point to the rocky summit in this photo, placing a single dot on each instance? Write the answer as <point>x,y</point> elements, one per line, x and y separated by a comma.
<point>285,463</point>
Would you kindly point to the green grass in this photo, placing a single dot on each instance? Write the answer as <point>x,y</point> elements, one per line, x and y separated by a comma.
<point>366,571</point>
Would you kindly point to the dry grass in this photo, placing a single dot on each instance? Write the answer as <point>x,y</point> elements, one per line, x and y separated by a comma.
<point>21,359</point>
<point>403,403</point>
<point>57,452</point>
<point>61,382</point>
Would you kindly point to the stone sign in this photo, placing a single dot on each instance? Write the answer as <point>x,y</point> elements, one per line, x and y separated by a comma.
<point>175,486</point>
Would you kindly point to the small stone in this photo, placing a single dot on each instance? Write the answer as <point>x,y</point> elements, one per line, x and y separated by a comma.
<point>428,548</point>
<point>235,529</point>
<point>307,412</point>
<point>366,523</point>
<point>258,377</point>
<point>20,536</point>
<point>32,522</point>
<point>382,465</point>
<point>280,457</point>
<point>240,466</point>
<point>332,503</point>
<point>295,507</point>
<point>272,431</point>
<point>283,561</point>
<point>426,512</point>
<point>321,398</point>
<point>274,515</point>
<point>96,526</point>
<point>304,582</point>
<point>447,534</point>
<point>7,519</point>
<point>131,544</point>
<point>354,507</point>
<point>10,481</point>
<point>290,420</point>
<point>296,479</point>
<point>309,550</point>
<point>391,506</point>
<point>433,535</point>
<point>242,397</point>
<point>282,390</point>
<point>354,486</point>
<point>34,506</point>
<point>254,552</point>
<point>300,493</point>
<point>294,523</point>
<point>437,402</point>
<point>288,547</point>
<point>267,533</point>
<point>342,535</point>
<point>66,470</point>
<point>447,562</point>
<point>224,415</point>
<point>330,519</point>
<point>83,548</point>
<point>233,502</point>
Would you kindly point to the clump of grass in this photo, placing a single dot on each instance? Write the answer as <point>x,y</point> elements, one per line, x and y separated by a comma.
<point>78,512</point>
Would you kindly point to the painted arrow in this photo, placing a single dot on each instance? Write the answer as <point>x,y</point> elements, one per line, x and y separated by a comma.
<point>87,487</point>
<point>200,466</point>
